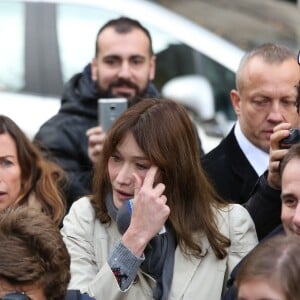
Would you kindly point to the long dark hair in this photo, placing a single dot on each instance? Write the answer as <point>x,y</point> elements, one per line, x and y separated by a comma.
<point>164,131</point>
<point>38,175</point>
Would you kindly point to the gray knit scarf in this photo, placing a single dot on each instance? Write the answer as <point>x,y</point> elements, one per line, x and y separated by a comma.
<point>159,253</point>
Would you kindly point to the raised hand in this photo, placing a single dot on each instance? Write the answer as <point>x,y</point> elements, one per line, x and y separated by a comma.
<point>276,153</point>
<point>96,138</point>
<point>149,212</point>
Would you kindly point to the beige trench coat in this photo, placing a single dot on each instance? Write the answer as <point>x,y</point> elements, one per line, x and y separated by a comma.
<point>90,243</point>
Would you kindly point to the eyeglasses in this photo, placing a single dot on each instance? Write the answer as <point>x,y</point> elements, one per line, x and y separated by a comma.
<point>16,296</point>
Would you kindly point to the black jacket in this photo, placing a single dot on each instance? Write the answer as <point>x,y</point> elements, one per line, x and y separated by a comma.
<point>264,207</point>
<point>63,136</point>
<point>229,170</point>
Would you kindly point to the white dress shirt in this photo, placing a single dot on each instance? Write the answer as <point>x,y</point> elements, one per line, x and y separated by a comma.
<point>258,158</point>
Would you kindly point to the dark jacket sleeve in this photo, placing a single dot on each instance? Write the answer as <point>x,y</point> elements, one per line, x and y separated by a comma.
<point>77,295</point>
<point>63,140</point>
<point>231,293</point>
<point>264,207</point>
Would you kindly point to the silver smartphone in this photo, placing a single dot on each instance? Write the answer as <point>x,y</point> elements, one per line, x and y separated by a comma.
<point>109,109</point>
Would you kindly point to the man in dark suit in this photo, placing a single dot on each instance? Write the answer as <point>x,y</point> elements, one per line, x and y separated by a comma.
<point>265,96</point>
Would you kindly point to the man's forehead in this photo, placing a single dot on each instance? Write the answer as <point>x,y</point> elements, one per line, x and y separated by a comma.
<point>291,175</point>
<point>133,43</point>
<point>110,33</point>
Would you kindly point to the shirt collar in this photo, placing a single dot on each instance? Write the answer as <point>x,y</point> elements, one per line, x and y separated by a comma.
<point>258,158</point>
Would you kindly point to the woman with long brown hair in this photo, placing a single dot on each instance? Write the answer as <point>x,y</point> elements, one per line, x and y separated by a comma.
<point>26,178</point>
<point>154,227</point>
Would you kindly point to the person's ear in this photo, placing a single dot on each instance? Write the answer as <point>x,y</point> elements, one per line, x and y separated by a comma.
<point>94,69</point>
<point>235,101</point>
<point>152,67</point>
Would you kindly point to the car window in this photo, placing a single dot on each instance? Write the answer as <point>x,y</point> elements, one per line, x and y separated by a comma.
<point>12,46</point>
<point>180,59</point>
<point>77,27</point>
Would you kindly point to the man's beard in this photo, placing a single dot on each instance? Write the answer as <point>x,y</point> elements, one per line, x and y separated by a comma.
<point>107,93</point>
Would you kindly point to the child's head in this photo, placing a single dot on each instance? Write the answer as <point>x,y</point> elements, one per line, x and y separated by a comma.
<point>271,271</point>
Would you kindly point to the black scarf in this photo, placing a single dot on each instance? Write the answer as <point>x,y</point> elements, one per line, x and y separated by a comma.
<point>159,253</point>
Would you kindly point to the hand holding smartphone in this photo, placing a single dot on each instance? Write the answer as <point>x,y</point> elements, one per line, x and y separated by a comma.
<point>109,109</point>
<point>292,139</point>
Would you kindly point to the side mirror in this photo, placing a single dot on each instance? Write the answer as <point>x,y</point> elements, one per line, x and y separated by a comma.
<point>193,91</point>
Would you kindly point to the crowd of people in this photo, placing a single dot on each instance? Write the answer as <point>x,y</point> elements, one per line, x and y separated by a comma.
<point>140,211</point>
